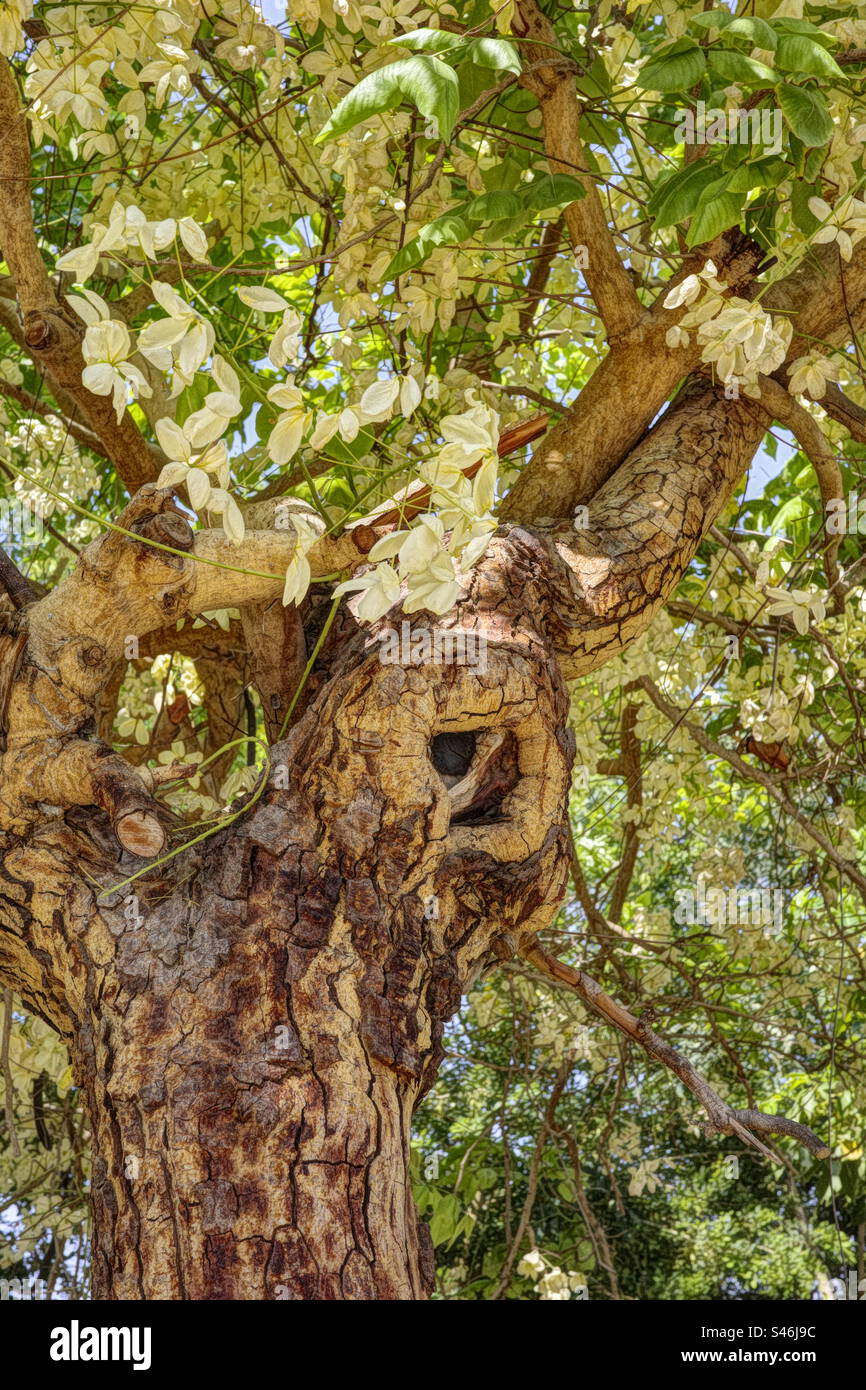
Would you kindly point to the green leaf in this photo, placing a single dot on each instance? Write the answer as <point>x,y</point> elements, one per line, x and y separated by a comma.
<point>805,111</point>
<point>552,191</point>
<point>757,31</point>
<point>813,163</point>
<point>711,19</point>
<point>444,1222</point>
<point>505,176</point>
<point>804,218</point>
<point>451,229</point>
<point>680,195</point>
<point>721,212</point>
<point>799,54</point>
<point>489,207</point>
<point>473,82</point>
<point>736,67</point>
<point>427,82</point>
<point>497,54</point>
<point>428,40</point>
<point>673,69</point>
<point>792,510</point>
<point>761,173</point>
<point>802,26</point>
<point>596,82</point>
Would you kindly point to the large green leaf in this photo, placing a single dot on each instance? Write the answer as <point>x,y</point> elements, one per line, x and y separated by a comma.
<point>673,69</point>
<point>797,53</point>
<point>425,81</point>
<point>757,31</point>
<point>802,26</point>
<point>497,54</point>
<point>494,54</point>
<point>452,228</point>
<point>805,110</point>
<point>552,191</point>
<point>711,19</point>
<point>736,67</point>
<point>760,173</point>
<point>720,212</point>
<point>429,40</point>
<point>804,217</point>
<point>680,195</point>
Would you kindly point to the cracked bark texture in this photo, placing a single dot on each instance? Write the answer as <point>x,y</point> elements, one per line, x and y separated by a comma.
<point>254,1020</point>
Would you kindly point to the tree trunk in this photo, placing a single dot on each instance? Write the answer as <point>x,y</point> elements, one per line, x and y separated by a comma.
<point>248,1142</point>
<point>254,1020</point>
<point>255,1016</point>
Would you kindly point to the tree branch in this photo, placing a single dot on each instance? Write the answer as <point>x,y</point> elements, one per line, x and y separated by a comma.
<point>551,240</point>
<point>14,584</point>
<point>620,400</point>
<point>791,415</point>
<point>550,78</point>
<point>607,581</point>
<point>752,774</point>
<point>722,1119</point>
<point>846,411</point>
<point>825,296</point>
<point>51,334</point>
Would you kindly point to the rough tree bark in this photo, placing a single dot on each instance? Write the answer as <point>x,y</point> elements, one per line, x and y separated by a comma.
<point>254,1019</point>
<point>255,1025</point>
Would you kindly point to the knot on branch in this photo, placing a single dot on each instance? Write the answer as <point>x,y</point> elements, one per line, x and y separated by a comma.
<point>47,329</point>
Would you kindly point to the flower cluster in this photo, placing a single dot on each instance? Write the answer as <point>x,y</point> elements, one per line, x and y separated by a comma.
<point>197,455</point>
<point>800,605</point>
<point>286,342</point>
<point>436,552</point>
<point>776,717</point>
<point>845,224</point>
<point>739,337</point>
<point>180,343</point>
<point>107,348</point>
<point>128,228</point>
<point>811,374</point>
<point>552,1284</point>
<point>12,16</point>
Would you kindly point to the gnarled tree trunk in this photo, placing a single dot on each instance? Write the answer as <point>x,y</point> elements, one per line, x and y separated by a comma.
<point>254,1021</point>
<point>254,1018</point>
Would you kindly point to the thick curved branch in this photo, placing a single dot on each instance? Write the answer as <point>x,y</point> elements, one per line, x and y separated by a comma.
<point>746,1124</point>
<point>622,397</point>
<point>18,588</point>
<point>135,579</point>
<point>825,297</point>
<point>607,581</point>
<point>845,411</point>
